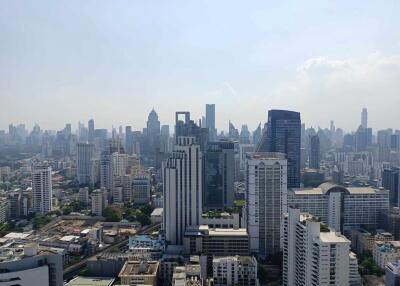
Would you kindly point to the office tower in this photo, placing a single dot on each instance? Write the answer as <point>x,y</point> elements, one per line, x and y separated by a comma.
<point>219,174</point>
<point>244,137</point>
<point>235,270</point>
<point>391,182</point>
<point>31,265</point>
<point>210,121</point>
<point>257,135</point>
<point>106,171</point>
<point>233,132</point>
<point>165,139</point>
<point>100,139</point>
<point>99,201</point>
<point>91,131</point>
<point>42,190</point>
<point>395,141</point>
<point>364,118</point>
<point>4,210</point>
<point>85,153</point>
<point>315,255</point>
<point>266,201</point>
<point>129,140</point>
<point>188,128</point>
<point>83,196</point>
<point>343,209</point>
<point>283,135</point>
<point>141,190</point>
<point>152,134</point>
<point>314,159</point>
<point>182,183</point>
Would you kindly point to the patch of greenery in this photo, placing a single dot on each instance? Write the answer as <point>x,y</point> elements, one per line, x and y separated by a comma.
<point>41,220</point>
<point>111,214</point>
<point>367,265</point>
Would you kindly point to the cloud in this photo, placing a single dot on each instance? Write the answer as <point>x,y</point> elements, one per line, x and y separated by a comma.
<point>324,89</point>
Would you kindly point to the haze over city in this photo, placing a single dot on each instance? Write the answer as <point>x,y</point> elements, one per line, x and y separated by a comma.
<point>64,61</point>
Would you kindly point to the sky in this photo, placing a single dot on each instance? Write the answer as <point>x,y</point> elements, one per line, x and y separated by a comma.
<point>64,61</point>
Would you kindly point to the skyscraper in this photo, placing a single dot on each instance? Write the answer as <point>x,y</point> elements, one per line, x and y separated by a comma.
<point>314,158</point>
<point>189,128</point>
<point>282,135</point>
<point>91,131</point>
<point>129,140</point>
<point>219,164</point>
<point>210,121</point>
<point>364,118</point>
<point>83,163</point>
<point>266,201</point>
<point>182,183</point>
<point>42,190</point>
<point>391,182</point>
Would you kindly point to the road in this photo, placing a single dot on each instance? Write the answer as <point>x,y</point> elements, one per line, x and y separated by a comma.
<point>74,270</point>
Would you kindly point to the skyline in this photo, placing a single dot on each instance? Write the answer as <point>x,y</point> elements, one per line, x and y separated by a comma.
<point>114,62</point>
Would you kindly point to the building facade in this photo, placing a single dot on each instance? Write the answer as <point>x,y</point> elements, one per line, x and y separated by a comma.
<point>42,189</point>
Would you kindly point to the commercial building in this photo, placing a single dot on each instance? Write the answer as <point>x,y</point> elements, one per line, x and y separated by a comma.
<point>343,209</point>
<point>182,175</point>
<point>266,201</point>
<point>187,275</point>
<point>314,158</point>
<point>219,174</point>
<point>390,220</point>
<point>216,241</point>
<point>85,153</point>
<point>283,135</point>
<point>30,265</point>
<point>210,121</point>
<point>391,182</point>
<point>42,189</point>
<point>139,273</point>
<point>141,190</point>
<point>364,241</point>
<point>235,270</point>
<point>313,254</point>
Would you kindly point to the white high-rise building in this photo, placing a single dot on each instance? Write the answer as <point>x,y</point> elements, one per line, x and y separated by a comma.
<point>182,181</point>
<point>42,190</point>
<point>266,201</point>
<point>315,255</point>
<point>364,118</point>
<point>84,162</point>
<point>235,270</point>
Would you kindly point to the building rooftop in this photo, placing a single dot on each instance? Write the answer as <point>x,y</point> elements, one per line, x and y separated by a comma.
<point>205,229</point>
<point>157,212</point>
<point>332,237</point>
<point>142,268</point>
<point>91,281</point>
<point>326,188</point>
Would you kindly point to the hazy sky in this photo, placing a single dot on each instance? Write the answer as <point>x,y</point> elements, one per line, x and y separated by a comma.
<point>64,61</point>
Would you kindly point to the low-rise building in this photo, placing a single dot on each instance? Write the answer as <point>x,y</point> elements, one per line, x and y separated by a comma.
<point>364,241</point>
<point>157,215</point>
<point>235,270</point>
<point>139,273</point>
<point>385,252</point>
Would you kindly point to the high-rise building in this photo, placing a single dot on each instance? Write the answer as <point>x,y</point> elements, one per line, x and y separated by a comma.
<point>233,132</point>
<point>91,131</point>
<point>182,183</point>
<point>266,201</point>
<point>219,174</point>
<point>364,118</point>
<point>282,135</point>
<point>244,137</point>
<point>189,128</point>
<point>99,201</point>
<point>85,153</point>
<point>391,182</point>
<point>42,190</point>
<point>314,159</point>
<point>235,270</point>
<point>257,135</point>
<point>343,209</point>
<point>210,121</point>
<point>141,190</point>
<point>315,255</point>
<point>129,140</point>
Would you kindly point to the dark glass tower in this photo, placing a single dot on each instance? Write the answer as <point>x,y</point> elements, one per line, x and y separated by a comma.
<point>283,135</point>
<point>219,164</point>
<point>391,182</point>
<point>314,159</point>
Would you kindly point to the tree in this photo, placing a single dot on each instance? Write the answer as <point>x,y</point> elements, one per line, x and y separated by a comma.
<point>111,215</point>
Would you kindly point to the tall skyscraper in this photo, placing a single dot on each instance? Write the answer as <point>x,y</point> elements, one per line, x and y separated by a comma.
<point>266,201</point>
<point>42,189</point>
<point>364,118</point>
<point>315,255</point>
<point>391,182</point>
<point>219,164</point>
<point>182,182</point>
<point>189,128</point>
<point>314,158</point>
<point>91,131</point>
<point>257,135</point>
<point>129,140</point>
<point>210,121</point>
<point>85,153</point>
<point>282,135</point>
